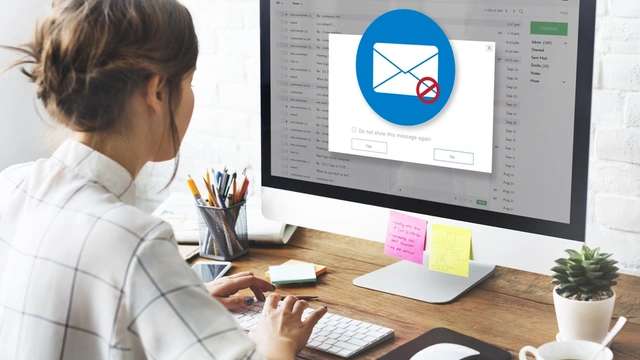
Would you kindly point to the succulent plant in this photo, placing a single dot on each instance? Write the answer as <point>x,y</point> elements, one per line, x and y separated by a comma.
<point>585,275</point>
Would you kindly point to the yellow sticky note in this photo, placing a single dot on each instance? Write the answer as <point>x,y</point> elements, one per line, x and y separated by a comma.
<point>450,248</point>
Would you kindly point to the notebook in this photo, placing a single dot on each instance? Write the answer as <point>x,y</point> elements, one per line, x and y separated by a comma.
<point>180,212</point>
<point>476,349</point>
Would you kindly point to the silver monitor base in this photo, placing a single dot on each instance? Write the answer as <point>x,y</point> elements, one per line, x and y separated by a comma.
<point>415,281</point>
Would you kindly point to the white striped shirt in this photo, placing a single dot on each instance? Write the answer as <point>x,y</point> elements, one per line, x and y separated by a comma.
<point>86,275</point>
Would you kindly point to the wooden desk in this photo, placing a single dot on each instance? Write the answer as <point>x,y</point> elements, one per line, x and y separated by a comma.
<point>510,310</point>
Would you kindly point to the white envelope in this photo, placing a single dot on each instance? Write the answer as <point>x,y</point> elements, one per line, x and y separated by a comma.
<point>397,68</point>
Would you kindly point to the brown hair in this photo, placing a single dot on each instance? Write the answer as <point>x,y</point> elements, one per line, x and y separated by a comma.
<point>89,56</point>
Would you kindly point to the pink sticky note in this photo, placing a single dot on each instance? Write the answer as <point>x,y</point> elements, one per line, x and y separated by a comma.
<point>406,237</point>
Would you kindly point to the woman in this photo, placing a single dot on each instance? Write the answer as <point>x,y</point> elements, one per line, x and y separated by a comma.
<point>83,273</point>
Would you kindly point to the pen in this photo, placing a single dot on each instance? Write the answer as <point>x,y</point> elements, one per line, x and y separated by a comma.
<point>233,179</point>
<point>223,184</point>
<point>218,178</point>
<point>218,197</point>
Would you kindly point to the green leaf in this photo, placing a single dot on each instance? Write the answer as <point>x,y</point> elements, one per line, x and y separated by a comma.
<point>559,270</point>
<point>604,256</point>
<point>592,268</point>
<point>606,263</point>
<point>564,262</point>
<point>561,278</point>
<point>594,275</point>
<point>567,286</point>
<point>574,254</point>
<point>575,274</point>
<point>579,280</point>
<point>609,269</point>
<point>569,293</point>
<point>609,262</point>
<point>599,282</point>
<point>586,288</point>
<point>598,260</point>
<point>576,267</point>
<point>609,276</point>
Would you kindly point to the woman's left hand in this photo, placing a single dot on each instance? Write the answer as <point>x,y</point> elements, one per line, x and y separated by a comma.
<point>225,288</point>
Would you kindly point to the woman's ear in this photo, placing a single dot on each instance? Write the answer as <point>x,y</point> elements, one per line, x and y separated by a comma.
<point>155,94</point>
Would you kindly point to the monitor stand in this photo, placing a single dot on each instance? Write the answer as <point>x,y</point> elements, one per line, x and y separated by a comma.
<point>416,281</point>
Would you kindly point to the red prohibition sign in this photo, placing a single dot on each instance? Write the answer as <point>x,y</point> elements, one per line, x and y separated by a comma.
<point>422,94</point>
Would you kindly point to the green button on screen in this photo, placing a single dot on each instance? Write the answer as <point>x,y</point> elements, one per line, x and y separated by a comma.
<point>549,28</point>
<point>481,202</point>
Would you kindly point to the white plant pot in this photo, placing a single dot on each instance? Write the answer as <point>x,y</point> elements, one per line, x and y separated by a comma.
<point>583,320</point>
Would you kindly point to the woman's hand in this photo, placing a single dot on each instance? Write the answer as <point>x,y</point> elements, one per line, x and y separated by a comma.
<point>225,288</point>
<point>281,333</point>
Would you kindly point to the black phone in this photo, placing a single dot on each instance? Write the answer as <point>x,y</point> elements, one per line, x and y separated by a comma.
<point>211,270</point>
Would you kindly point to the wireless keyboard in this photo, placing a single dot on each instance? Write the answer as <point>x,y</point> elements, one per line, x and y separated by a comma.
<point>334,334</point>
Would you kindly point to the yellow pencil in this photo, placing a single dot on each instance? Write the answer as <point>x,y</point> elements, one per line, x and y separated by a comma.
<point>194,191</point>
<point>212,198</point>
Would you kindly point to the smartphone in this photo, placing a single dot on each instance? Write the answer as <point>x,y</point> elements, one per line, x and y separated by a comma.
<point>211,270</point>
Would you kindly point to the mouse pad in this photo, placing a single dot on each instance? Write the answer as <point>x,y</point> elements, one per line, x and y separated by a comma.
<point>442,335</point>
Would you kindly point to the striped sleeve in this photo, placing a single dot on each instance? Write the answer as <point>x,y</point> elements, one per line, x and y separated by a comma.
<point>171,312</point>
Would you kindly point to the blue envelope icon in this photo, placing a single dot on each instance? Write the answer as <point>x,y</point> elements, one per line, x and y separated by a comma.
<point>397,68</point>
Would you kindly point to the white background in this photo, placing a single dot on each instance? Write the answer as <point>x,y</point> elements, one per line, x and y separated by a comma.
<point>228,99</point>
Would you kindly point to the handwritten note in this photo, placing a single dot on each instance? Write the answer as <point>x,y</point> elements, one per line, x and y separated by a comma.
<point>406,237</point>
<point>450,250</point>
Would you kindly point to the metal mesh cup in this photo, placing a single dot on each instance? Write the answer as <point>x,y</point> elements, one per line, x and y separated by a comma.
<point>223,231</point>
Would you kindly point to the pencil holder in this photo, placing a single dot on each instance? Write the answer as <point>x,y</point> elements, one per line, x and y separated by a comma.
<point>223,231</point>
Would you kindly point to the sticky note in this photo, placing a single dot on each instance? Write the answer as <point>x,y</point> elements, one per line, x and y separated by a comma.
<point>450,250</point>
<point>406,237</point>
<point>319,269</point>
<point>289,274</point>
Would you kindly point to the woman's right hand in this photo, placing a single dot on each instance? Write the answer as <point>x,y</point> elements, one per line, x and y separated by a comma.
<point>281,333</point>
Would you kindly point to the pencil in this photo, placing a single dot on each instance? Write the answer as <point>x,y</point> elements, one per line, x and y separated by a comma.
<point>194,191</point>
<point>244,190</point>
<point>211,196</point>
<point>302,297</point>
<point>207,184</point>
<point>234,191</point>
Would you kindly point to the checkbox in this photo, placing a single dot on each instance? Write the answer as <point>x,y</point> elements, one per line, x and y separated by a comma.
<point>354,129</point>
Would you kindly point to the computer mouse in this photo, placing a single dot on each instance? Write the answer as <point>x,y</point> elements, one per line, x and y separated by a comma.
<point>444,351</point>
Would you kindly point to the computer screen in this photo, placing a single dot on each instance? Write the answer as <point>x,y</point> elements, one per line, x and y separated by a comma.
<point>488,128</point>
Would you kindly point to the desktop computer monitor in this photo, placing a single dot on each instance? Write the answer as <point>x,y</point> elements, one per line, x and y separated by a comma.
<point>468,113</point>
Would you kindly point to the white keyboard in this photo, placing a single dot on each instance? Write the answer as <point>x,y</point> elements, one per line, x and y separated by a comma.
<point>336,335</point>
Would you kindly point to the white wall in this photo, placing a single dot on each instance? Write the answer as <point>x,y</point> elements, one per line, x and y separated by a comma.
<point>226,123</point>
<point>22,135</point>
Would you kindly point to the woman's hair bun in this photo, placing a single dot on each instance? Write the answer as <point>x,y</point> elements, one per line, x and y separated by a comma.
<point>88,56</point>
